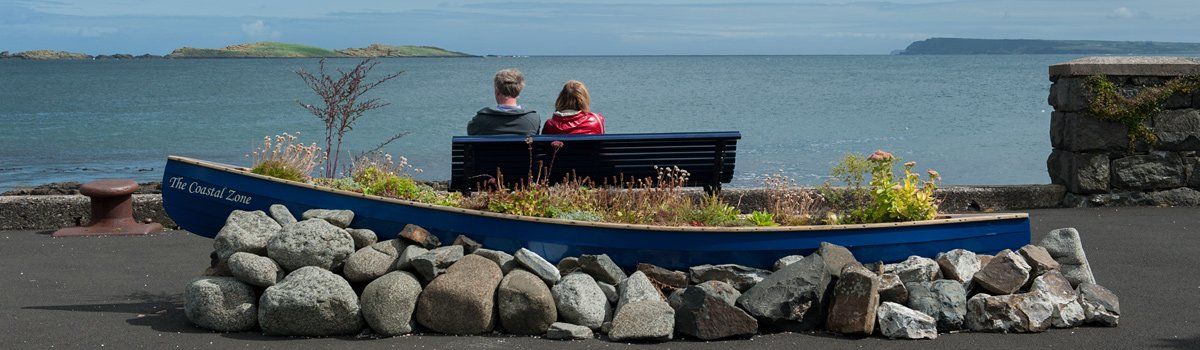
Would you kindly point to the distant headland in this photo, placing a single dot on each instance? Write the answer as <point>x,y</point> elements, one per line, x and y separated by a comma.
<point>264,49</point>
<point>964,46</point>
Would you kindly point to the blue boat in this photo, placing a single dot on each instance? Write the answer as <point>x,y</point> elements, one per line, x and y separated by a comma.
<point>199,195</point>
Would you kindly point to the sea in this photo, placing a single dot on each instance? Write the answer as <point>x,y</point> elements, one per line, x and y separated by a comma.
<point>979,119</point>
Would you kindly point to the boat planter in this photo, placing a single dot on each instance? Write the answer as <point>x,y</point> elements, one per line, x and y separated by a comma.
<point>199,195</point>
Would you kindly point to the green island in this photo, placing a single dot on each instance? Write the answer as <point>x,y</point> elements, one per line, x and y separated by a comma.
<point>267,49</point>
<point>967,46</point>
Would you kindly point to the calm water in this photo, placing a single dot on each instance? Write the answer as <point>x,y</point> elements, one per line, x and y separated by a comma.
<point>976,119</point>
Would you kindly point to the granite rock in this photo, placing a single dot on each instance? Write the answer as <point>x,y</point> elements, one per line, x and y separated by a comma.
<point>406,256</point>
<point>580,301</point>
<point>785,261</point>
<point>897,321</point>
<point>282,215</point>
<point>602,268</point>
<point>434,262</point>
<point>373,261</point>
<point>944,300</point>
<point>567,331</point>
<point>245,231</point>
<point>722,290</point>
<point>462,300</point>
<point>310,301</point>
<point>959,265</point>
<point>1039,260</point>
<point>705,314</point>
<point>855,300</point>
<point>388,303</point>
<point>666,280</point>
<point>1066,247</point>
<point>568,265</point>
<point>644,320</point>
<point>836,257</point>
<point>791,299</point>
<point>524,304</point>
<point>420,236</point>
<point>1067,312</point>
<point>635,288</point>
<point>311,242</point>
<point>221,304</point>
<point>469,245</point>
<point>892,289</point>
<point>610,292</point>
<point>741,277</point>
<point>339,218</point>
<point>1100,305</point>
<point>1005,274</point>
<point>539,266</point>
<point>915,269</point>
<point>259,271</point>
<point>504,260</point>
<point>362,237</point>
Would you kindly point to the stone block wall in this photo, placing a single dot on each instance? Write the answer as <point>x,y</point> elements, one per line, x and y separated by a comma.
<point>1092,157</point>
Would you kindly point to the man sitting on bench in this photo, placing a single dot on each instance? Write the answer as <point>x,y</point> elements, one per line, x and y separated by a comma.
<point>507,117</point>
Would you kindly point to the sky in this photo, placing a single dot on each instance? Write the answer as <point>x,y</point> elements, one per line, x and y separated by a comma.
<point>571,27</point>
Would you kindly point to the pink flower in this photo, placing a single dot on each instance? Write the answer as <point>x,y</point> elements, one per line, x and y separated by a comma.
<point>880,155</point>
<point>933,173</point>
<point>556,144</point>
<point>910,164</point>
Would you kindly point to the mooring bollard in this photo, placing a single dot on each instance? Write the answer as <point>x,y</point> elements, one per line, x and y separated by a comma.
<point>112,211</point>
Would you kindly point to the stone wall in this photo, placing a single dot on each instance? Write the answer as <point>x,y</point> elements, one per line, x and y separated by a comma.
<point>1093,159</point>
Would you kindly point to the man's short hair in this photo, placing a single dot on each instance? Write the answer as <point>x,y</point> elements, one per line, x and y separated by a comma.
<point>509,82</point>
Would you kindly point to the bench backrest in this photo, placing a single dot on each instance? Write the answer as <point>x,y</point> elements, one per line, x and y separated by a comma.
<point>707,156</point>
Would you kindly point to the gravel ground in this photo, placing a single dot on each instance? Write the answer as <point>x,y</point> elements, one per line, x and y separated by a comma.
<point>125,292</point>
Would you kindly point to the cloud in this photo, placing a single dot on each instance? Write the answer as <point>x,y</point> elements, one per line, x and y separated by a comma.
<point>1122,12</point>
<point>259,30</point>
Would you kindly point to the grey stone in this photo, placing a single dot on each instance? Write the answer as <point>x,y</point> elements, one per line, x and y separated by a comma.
<point>1179,197</point>
<point>897,321</point>
<point>410,252</point>
<point>705,314</point>
<point>1026,312</point>
<point>504,260</point>
<point>676,298</point>
<point>567,331</point>
<point>462,300</point>
<point>1191,167</point>
<point>959,265</point>
<point>1178,130</point>
<point>538,265</point>
<point>634,289</point>
<point>311,242</point>
<point>602,268</point>
<point>433,263</point>
<point>646,320</point>
<point>1039,259</point>
<point>245,231</point>
<point>373,261</point>
<point>791,299</point>
<point>388,303</point>
<point>1066,247</point>
<point>915,269</point>
<point>855,299</point>
<point>469,245</point>
<point>1036,310</point>
<point>787,260</point>
<point>339,218</point>
<point>362,237</point>
<point>1100,305</point>
<point>524,304</point>
<point>892,289</point>
<point>310,301</point>
<point>610,292</point>
<point>663,279</point>
<point>1068,94</point>
<point>1126,66</point>
<point>1079,172</point>
<point>722,290</point>
<point>741,277</point>
<point>1148,172</point>
<point>282,215</point>
<point>944,300</point>
<point>836,257</point>
<point>580,301</point>
<point>1082,132</point>
<point>255,270</point>
<point>1067,312</point>
<point>420,236</point>
<point>1005,274</point>
<point>568,265</point>
<point>222,304</point>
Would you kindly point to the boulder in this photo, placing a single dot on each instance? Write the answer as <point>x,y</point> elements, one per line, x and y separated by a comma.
<point>420,236</point>
<point>676,298</point>
<point>601,268</point>
<point>1100,306</point>
<point>539,266</point>
<point>1039,260</point>
<point>892,289</point>
<point>373,261</point>
<point>580,301</point>
<point>567,331</point>
<point>944,300</point>
<point>855,299</point>
<point>703,313</point>
<point>915,269</point>
<point>836,257</point>
<point>469,245</point>
<point>221,304</point>
<point>644,320</point>
<point>461,301</point>
<point>1006,274</point>
<point>667,281</point>
<point>362,237</point>
<point>741,277</point>
<point>722,290</point>
<point>897,321</point>
<point>1026,312</point>
<point>245,231</point>
<point>434,262</point>
<point>502,259</point>
<point>984,259</point>
<point>1067,312</point>
<point>610,292</point>
<point>255,270</point>
<point>406,256</point>
<point>339,218</point>
<point>311,242</point>
<point>1036,311</point>
<point>959,265</point>
<point>282,215</point>
<point>636,288</point>
<point>1065,246</point>
<point>568,265</point>
<point>310,301</point>
<point>785,261</point>
<point>388,303</point>
<point>792,299</point>
<point>524,304</point>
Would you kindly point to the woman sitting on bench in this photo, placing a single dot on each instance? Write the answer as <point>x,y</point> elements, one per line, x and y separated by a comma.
<point>572,112</point>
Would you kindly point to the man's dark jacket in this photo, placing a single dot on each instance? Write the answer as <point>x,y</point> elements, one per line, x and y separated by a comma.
<point>493,121</point>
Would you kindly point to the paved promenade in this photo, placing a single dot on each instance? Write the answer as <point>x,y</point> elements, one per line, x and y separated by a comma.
<point>125,292</point>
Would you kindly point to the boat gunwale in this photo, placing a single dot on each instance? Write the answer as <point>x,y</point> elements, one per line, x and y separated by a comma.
<point>949,219</point>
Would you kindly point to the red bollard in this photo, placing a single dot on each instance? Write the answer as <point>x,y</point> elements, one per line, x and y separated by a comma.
<point>112,211</point>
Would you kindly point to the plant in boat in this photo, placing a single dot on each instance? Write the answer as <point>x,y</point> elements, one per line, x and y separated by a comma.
<point>885,198</point>
<point>789,204</point>
<point>762,218</point>
<point>343,101</point>
<point>282,157</point>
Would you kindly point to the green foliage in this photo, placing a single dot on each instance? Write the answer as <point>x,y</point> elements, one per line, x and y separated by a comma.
<point>762,218</point>
<point>279,170</point>
<point>1135,113</point>
<point>580,216</point>
<point>258,49</point>
<point>712,212</point>
<point>376,180</point>
<point>885,198</point>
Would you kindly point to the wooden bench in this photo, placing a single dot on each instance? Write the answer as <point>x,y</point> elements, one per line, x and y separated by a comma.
<point>707,156</point>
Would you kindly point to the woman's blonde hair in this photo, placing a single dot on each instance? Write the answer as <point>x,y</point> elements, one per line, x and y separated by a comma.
<point>574,96</point>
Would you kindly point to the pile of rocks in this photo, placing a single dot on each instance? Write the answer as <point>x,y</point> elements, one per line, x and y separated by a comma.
<point>317,277</point>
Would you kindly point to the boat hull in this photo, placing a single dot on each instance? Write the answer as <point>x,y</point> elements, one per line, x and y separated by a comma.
<point>199,196</point>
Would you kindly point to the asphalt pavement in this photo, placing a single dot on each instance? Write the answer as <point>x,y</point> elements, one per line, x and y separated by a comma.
<point>125,292</point>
